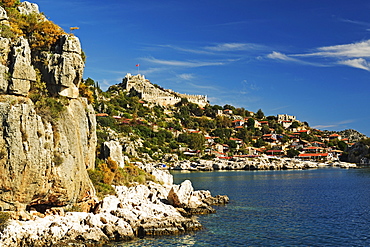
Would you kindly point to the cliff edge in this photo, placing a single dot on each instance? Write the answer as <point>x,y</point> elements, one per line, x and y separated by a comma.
<point>47,132</point>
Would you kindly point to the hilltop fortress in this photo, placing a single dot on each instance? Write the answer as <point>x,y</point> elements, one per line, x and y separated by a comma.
<point>157,95</point>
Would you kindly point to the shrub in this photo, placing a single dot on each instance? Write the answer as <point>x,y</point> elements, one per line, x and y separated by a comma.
<point>4,218</point>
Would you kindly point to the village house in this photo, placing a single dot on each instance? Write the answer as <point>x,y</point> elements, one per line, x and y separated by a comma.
<point>228,112</point>
<point>335,136</point>
<point>237,123</point>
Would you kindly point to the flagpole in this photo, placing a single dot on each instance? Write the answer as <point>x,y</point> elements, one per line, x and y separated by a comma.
<point>138,68</point>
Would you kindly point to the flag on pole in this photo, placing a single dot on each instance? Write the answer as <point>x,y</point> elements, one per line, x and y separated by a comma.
<point>137,65</point>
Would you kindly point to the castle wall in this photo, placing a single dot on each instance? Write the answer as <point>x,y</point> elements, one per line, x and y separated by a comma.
<point>156,95</point>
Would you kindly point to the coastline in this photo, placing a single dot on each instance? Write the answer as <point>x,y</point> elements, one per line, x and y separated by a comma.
<point>257,163</point>
<point>143,210</point>
<point>134,212</point>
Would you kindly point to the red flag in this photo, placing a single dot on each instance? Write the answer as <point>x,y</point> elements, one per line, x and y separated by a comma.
<point>137,65</point>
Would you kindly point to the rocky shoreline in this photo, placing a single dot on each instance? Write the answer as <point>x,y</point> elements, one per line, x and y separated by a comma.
<point>256,163</point>
<point>138,211</point>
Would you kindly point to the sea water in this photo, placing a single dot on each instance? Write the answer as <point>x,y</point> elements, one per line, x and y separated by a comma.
<point>319,207</point>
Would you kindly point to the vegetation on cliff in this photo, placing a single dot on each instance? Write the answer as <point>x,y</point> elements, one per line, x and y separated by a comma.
<point>40,32</point>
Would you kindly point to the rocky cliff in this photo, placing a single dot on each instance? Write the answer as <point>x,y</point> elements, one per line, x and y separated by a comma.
<point>359,153</point>
<point>47,143</point>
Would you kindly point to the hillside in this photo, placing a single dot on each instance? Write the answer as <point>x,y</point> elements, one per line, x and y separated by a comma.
<point>150,131</point>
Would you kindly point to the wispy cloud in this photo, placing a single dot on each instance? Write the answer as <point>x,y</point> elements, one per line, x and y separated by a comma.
<point>339,124</point>
<point>359,63</point>
<point>356,55</point>
<point>356,22</point>
<point>354,50</point>
<point>282,57</point>
<point>236,47</point>
<point>186,76</point>
<point>183,63</point>
<point>188,50</point>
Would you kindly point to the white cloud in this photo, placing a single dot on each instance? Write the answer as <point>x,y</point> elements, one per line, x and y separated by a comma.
<point>354,55</point>
<point>235,47</point>
<point>183,63</point>
<point>322,126</point>
<point>280,56</point>
<point>186,76</point>
<point>354,50</point>
<point>359,63</point>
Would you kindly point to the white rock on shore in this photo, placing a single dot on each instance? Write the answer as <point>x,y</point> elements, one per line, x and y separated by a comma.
<point>135,211</point>
<point>259,163</point>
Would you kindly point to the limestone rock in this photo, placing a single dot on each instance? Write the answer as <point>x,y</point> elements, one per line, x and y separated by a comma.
<point>179,195</point>
<point>63,69</point>
<point>3,14</point>
<point>130,149</point>
<point>21,69</point>
<point>113,150</point>
<point>26,8</point>
<point>42,165</point>
<point>162,176</point>
<point>4,78</point>
<point>4,50</point>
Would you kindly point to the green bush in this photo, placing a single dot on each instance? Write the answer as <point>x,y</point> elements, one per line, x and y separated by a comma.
<point>50,108</point>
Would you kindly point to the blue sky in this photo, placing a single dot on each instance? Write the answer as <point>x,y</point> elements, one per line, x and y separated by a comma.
<point>307,58</point>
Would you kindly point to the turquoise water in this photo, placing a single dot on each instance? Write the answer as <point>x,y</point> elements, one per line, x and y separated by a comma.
<point>321,207</point>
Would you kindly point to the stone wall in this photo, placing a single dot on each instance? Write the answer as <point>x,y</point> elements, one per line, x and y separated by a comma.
<point>151,93</point>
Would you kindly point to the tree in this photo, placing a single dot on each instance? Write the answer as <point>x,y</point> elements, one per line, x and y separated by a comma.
<point>250,123</point>
<point>196,141</point>
<point>259,143</point>
<point>240,112</point>
<point>294,125</point>
<point>222,133</point>
<point>342,145</point>
<point>230,107</point>
<point>265,129</point>
<point>291,153</point>
<point>260,114</point>
<point>223,122</point>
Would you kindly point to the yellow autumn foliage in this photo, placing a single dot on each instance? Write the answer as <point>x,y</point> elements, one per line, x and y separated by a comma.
<point>40,32</point>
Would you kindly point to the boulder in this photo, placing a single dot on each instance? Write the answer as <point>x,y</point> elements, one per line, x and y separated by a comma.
<point>63,69</point>
<point>26,8</point>
<point>113,149</point>
<point>181,195</point>
<point>3,14</point>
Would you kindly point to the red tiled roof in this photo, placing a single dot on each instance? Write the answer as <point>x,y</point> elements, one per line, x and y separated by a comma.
<point>313,155</point>
<point>334,135</point>
<point>235,139</point>
<point>303,131</point>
